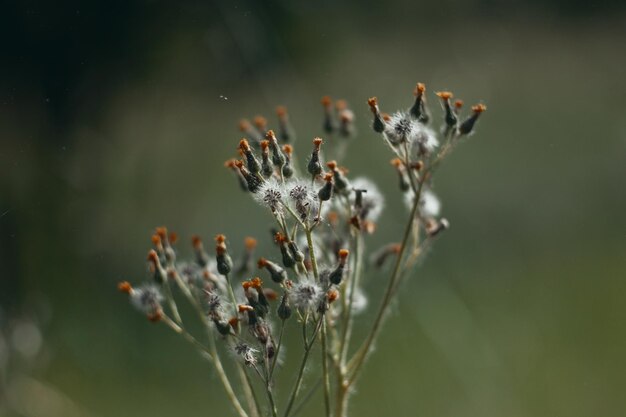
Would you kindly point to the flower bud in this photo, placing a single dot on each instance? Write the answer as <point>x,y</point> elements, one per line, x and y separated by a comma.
<point>288,259</point>
<point>419,110</point>
<point>295,251</point>
<point>253,164</point>
<point>336,276</point>
<point>326,192</point>
<point>341,182</point>
<point>156,268</point>
<point>402,180</point>
<point>223,259</point>
<point>468,125</point>
<point>277,155</point>
<point>450,118</point>
<point>277,273</point>
<point>232,164</point>
<point>379,124</point>
<point>285,130</point>
<point>329,123</point>
<point>223,327</point>
<point>253,182</point>
<point>287,168</point>
<point>202,258</point>
<point>284,309</point>
<point>315,167</point>
<point>266,165</point>
<point>253,134</point>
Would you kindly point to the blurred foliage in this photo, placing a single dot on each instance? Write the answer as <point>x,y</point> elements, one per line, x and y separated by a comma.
<point>115,117</point>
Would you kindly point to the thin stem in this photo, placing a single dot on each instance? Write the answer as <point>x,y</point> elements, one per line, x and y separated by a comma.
<point>171,302</point>
<point>270,396</point>
<point>325,374</point>
<point>225,381</point>
<point>306,398</point>
<point>348,320</point>
<point>213,357</point>
<point>188,337</point>
<point>309,240</point>
<point>305,357</point>
<point>248,388</point>
<point>357,361</point>
<point>278,346</point>
<point>233,300</point>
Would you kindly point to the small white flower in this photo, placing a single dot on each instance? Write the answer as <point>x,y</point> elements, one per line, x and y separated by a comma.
<point>306,295</point>
<point>430,206</point>
<point>373,200</point>
<point>146,299</point>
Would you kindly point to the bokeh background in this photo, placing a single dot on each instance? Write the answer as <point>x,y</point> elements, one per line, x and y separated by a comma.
<point>116,116</point>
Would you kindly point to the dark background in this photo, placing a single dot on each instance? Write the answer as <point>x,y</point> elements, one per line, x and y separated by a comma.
<point>115,117</point>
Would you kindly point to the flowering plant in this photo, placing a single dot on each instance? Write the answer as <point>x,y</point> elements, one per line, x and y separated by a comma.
<point>322,218</point>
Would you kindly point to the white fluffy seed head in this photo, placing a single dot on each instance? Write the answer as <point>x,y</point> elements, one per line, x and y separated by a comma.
<point>271,195</point>
<point>146,299</point>
<point>430,206</point>
<point>306,295</point>
<point>402,128</point>
<point>423,142</point>
<point>373,200</point>
<point>302,198</point>
<point>247,353</point>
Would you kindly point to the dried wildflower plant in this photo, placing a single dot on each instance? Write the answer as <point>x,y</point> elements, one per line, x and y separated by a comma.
<point>321,218</point>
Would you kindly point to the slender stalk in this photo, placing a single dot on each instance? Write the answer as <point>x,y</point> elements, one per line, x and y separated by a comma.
<point>188,337</point>
<point>278,346</point>
<point>221,373</point>
<point>305,357</point>
<point>233,300</point>
<point>248,388</point>
<point>213,357</point>
<point>306,398</point>
<point>348,320</point>
<point>325,373</point>
<point>324,342</point>
<point>358,359</point>
<point>270,397</point>
<point>341,406</point>
<point>171,302</point>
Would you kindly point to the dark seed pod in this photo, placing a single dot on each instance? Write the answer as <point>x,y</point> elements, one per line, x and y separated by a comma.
<point>284,309</point>
<point>277,273</point>
<point>223,327</point>
<point>326,192</point>
<point>418,110</point>
<point>314,166</point>
<point>295,252</point>
<point>468,125</point>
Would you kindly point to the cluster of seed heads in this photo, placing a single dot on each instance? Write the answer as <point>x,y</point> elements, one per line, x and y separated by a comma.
<point>318,216</point>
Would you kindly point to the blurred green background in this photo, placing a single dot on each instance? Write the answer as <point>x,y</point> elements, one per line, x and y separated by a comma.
<point>115,117</point>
